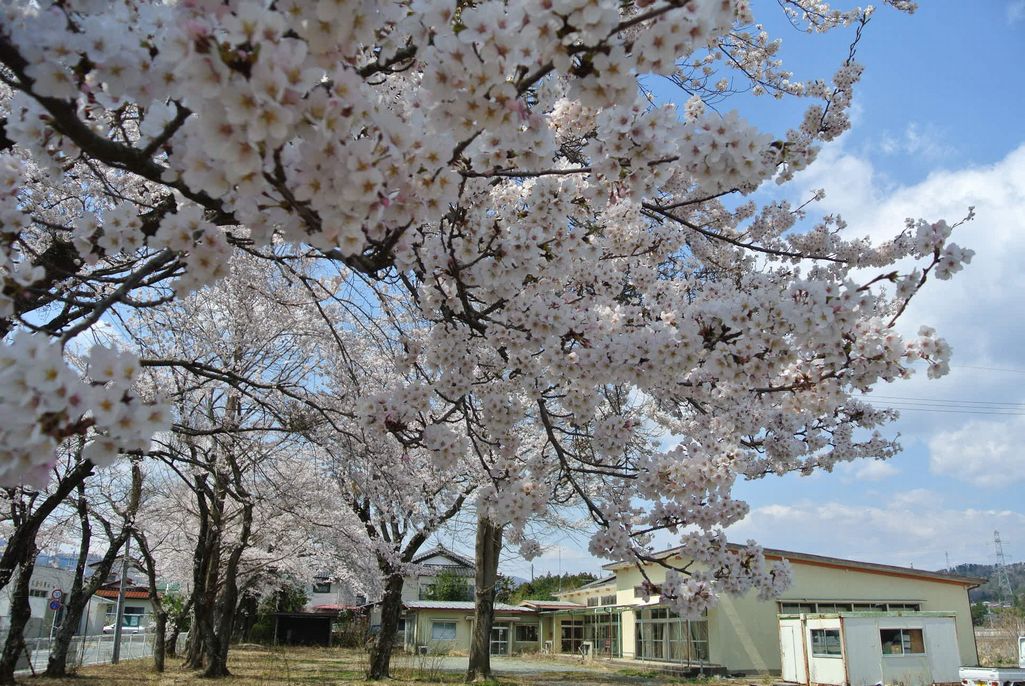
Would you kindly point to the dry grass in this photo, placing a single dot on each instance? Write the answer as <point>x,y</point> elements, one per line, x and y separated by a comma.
<point>260,666</point>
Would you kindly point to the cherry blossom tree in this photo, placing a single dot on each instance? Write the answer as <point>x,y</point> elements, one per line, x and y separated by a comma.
<point>560,259</point>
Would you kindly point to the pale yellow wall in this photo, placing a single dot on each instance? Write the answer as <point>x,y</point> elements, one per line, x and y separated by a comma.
<point>464,631</point>
<point>461,644</point>
<point>744,632</point>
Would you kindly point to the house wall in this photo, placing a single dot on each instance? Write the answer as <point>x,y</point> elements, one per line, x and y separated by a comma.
<point>744,631</point>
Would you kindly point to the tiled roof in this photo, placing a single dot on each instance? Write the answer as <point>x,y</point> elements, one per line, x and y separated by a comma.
<point>460,605</point>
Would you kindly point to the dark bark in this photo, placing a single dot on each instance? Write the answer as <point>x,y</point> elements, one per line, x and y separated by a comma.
<point>204,574</point>
<point>391,610</point>
<point>218,643</point>
<point>56,665</point>
<point>488,548</point>
<point>23,539</point>
<point>81,591</point>
<point>21,612</point>
<point>159,611</point>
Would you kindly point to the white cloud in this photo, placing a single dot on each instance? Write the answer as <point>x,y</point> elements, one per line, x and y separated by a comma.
<point>875,470</point>
<point>980,310</point>
<point>917,140</point>
<point>985,453</point>
<point>1015,11</point>
<point>911,528</point>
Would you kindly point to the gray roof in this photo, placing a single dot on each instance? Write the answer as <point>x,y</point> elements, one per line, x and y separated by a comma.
<point>444,552</point>
<point>836,562</point>
<point>458,605</point>
<point>550,604</point>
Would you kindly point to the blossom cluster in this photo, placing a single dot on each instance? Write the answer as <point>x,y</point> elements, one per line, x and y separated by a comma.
<point>550,246</point>
<point>44,401</point>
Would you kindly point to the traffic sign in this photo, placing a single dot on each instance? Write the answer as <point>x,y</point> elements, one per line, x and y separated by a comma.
<point>55,605</point>
<point>56,594</point>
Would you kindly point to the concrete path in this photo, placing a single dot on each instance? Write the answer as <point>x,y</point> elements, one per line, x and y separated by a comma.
<point>500,665</point>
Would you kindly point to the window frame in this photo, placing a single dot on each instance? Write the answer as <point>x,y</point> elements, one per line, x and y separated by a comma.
<point>524,626</point>
<point>435,623</point>
<point>902,631</point>
<point>319,584</point>
<point>823,645</point>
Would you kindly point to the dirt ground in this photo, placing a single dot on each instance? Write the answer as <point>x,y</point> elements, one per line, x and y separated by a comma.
<point>260,666</point>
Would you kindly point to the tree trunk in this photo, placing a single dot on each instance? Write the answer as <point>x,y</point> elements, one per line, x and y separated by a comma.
<point>489,547</point>
<point>391,610</point>
<point>81,591</point>
<point>159,649</point>
<point>204,574</point>
<point>159,611</point>
<point>23,538</point>
<point>21,612</point>
<point>227,601</point>
<point>57,664</point>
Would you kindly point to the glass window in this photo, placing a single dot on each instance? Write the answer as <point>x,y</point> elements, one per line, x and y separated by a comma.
<point>608,599</point>
<point>526,633</point>
<point>443,631</point>
<point>825,643</point>
<point>321,586</point>
<point>902,641</point>
<point>664,635</point>
<point>572,634</point>
<point>592,602</point>
<point>38,593</point>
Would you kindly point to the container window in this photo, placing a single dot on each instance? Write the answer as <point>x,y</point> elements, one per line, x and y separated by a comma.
<point>826,643</point>
<point>902,641</point>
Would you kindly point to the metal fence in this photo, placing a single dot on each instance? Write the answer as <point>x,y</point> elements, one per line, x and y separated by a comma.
<point>91,650</point>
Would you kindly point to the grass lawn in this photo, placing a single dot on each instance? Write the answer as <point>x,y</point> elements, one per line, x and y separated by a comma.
<point>260,666</point>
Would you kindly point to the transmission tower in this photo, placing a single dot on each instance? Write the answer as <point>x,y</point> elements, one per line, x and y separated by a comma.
<point>1000,572</point>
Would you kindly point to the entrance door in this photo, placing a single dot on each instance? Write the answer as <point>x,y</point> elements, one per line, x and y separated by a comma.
<point>792,654</point>
<point>500,640</point>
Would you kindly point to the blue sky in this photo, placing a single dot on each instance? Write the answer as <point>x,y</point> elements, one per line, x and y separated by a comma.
<point>937,127</point>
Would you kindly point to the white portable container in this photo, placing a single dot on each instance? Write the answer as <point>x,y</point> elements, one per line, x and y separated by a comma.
<point>869,648</point>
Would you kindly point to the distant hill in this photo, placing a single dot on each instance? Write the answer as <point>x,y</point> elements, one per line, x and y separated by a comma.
<point>989,591</point>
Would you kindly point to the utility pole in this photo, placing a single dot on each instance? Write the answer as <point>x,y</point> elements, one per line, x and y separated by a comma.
<point>116,655</point>
<point>1000,572</point>
<point>947,555</point>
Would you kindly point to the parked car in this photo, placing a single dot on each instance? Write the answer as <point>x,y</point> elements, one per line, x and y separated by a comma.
<point>125,630</point>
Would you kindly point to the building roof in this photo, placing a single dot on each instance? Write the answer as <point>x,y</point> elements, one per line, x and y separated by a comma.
<point>131,595</point>
<point>836,563</point>
<point>595,584</point>
<point>552,604</point>
<point>444,552</point>
<point>460,605</point>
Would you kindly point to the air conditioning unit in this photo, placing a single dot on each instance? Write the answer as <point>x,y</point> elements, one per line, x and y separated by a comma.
<point>587,650</point>
<point>423,650</point>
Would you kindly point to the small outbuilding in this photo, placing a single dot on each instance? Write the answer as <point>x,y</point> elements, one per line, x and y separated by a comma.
<point>303,628</point>
<point>867,648</point>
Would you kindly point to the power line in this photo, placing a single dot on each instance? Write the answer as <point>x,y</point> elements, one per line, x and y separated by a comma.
<point>909,408</point>
<point>989,369</point>
<point>944,400</point>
